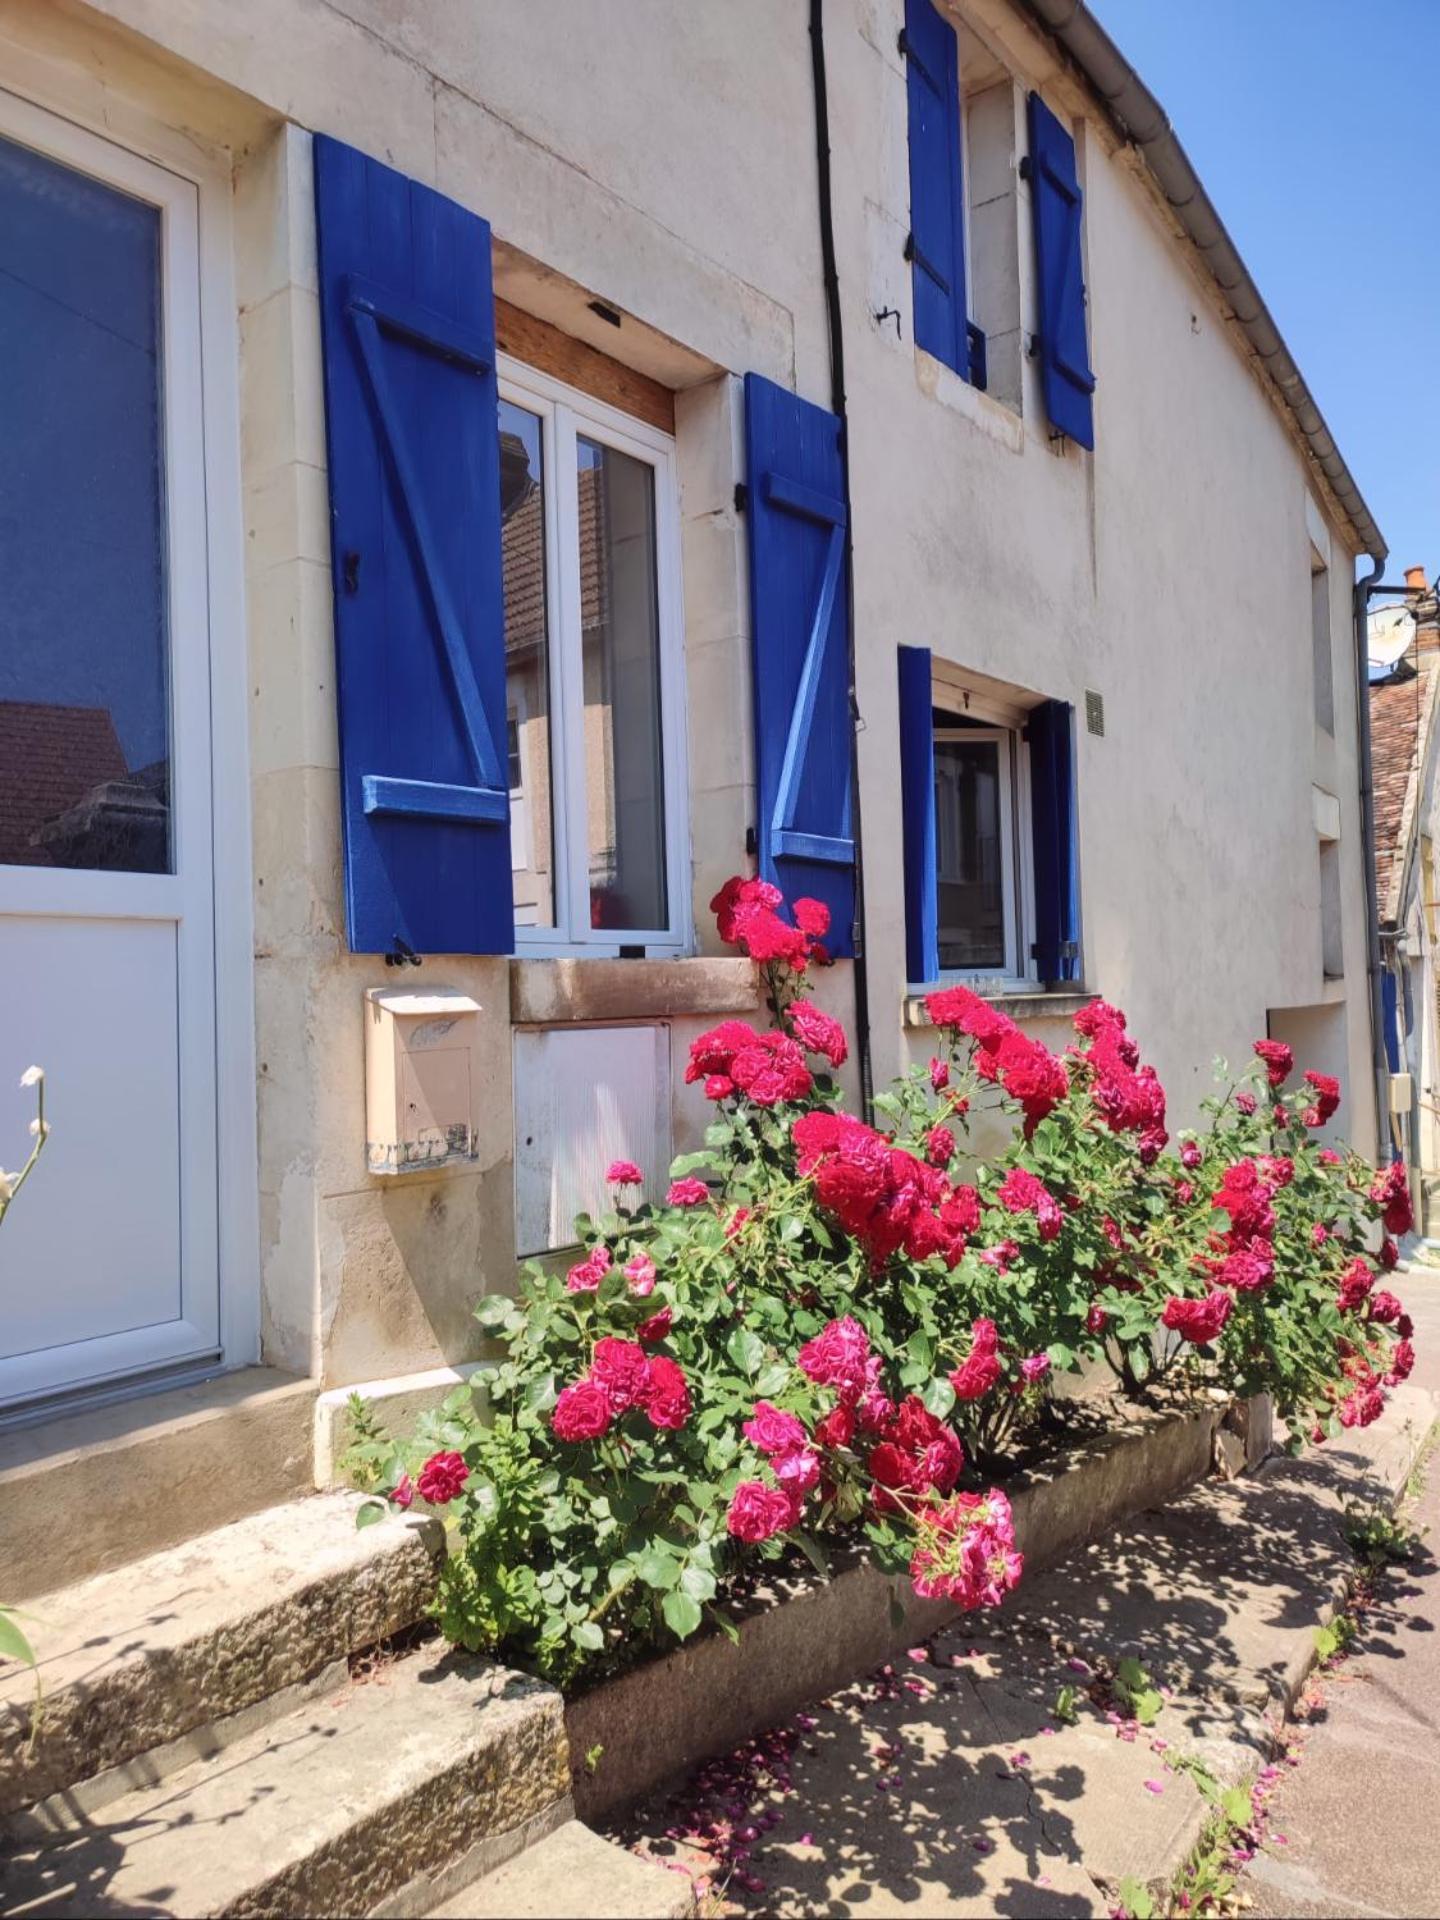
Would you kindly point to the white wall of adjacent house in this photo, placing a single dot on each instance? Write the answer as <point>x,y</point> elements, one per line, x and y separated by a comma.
<point>661,160</point>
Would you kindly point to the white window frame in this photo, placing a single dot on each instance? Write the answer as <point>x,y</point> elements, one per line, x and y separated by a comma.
<point>1017,884</point>
<point>565,414</point>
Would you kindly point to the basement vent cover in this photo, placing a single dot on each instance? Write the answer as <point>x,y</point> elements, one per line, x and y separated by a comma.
<point>1095,712</point>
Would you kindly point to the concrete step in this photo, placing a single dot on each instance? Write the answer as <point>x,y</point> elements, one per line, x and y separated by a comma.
<point>332,1809</point>
<point>571,1872</point>
<point>88,1491</point>
<point>145,1668</point>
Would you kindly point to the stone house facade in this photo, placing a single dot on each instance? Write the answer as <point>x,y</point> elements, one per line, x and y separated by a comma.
<point>434,468</point>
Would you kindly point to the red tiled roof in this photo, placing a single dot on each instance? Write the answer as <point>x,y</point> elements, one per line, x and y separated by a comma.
<point>50,758</point>
<point>1400,717</point>
<point>523,563</point>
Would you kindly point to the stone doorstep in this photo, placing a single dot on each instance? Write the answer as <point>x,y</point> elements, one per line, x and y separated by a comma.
<point>145,1668</point>
<point>332,1809</point>
<point>805,1638</point>
<point>99,1489</point>
<point>572,1869</point>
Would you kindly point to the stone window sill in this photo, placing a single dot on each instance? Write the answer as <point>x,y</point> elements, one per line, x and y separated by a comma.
<point>1019,1006</point>
<point>550,992</point>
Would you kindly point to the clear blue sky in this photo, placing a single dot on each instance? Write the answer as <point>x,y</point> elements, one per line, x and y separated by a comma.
<point>1312,124</point>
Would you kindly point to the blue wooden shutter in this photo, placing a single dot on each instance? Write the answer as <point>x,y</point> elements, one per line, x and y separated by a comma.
<point>936,247</point>
<point>1056,210</point>
<point>1050,734</point>
<point>917,809</point>
<point>411,425</point>
<point>800,632</point>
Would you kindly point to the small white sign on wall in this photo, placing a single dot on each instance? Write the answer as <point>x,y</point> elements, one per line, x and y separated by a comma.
<point>584,1097</point>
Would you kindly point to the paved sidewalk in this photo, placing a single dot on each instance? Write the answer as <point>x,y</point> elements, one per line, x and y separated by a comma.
<point>1360,1813</point>
<point>948,1785</point>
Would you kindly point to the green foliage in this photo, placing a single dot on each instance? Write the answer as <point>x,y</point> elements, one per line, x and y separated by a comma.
<point>1379,1538</point>
<point>1136,1899</point>
<point>1136,1692</point>
<point>370,1454</point>
<point>1335,1638</point>
<point>578,1551</point>
<point>1067,1705</point>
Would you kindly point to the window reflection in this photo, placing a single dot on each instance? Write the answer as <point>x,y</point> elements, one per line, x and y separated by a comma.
<point>527,665</point>
<point>84,674</point>
<point>624,768</point>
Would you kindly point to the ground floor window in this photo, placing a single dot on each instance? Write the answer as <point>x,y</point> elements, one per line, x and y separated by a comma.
<point>593,672</point>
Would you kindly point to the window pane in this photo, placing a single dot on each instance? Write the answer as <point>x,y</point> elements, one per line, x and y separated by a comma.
<point>84,673</point>
<point>624,784</point>
<point>527,665</point>
<point>969,850</point>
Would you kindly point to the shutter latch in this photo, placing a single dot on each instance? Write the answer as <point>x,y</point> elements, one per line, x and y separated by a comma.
<point>351,573</point>
<point>402,954</point>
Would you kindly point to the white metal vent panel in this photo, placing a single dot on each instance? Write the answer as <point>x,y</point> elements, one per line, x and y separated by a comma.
<point>584,1097</point>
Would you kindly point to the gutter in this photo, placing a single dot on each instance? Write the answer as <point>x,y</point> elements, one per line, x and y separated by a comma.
<point>1374,963</point>
<point>1143,123</point>
<point>835,328</point>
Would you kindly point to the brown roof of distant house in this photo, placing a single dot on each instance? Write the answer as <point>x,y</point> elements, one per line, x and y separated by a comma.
<point>523,563</point>
<point>1400,718</point>
<point>50,758</point>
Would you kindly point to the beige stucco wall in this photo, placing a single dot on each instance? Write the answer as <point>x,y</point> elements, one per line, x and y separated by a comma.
<point>661,158</point>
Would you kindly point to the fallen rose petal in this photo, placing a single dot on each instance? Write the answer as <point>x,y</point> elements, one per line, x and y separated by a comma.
<point>920,1654</point>
<point>1153,1786</point>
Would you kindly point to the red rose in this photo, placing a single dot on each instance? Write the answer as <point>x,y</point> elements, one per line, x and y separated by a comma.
<point>812,917</point>
<point>652,1331</point>
<point>837,1429</point>
<point>619,1367</point>
<point>582,1411</point>
<point>1327,1091</point>
<point>624,1173</point>
<point>667,1397</point>
<point>441,1478</point>
<point>1198,1321</point>
<point>1279,1060</point>
<point>818,1031</point>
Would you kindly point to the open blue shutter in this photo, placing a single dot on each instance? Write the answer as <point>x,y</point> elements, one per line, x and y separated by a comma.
<point>1056,209</point>
<point>937,196</point>
<point>1050,734</point>
<point>800,631</point>
<point>408,329</point>
<point>917,809</point>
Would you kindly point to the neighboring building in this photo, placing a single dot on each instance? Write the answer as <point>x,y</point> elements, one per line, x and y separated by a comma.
<point>1404,681</point>
<point>568,490</point>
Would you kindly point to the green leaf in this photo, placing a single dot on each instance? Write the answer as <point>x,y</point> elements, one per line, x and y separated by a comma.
<point>658,1569</point>
<point>1236,1807</point>
<point>727,1626</point>
<point>699,1584</point>
<point>1145,1704</point>
<point>682,1613</point>
<point>1130,1673</point>
<point>939,1397</point>
<point>367,1515</point>
<point>589,1635</point>
<point>746,1350</point>
<point>541,1394</point>
<point>813,1552</point>
<point>1136,1899</point>
<point>13,1644</point>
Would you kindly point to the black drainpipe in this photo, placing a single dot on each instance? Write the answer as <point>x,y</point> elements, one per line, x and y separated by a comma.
<point>1364,587</point>
<point>837,404</point>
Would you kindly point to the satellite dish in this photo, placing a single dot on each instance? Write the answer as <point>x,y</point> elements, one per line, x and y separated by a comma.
<point>1390,634</point>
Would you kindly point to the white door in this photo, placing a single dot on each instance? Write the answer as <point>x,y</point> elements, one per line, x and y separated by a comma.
<point>109,1262</point>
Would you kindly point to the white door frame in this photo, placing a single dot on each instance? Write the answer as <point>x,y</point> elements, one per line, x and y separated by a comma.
<point>206,597</point>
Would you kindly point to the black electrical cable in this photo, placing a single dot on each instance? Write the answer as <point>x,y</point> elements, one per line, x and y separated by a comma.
<point>837,403</point>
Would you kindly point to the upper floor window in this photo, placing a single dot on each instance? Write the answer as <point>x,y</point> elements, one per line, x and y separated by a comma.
<point>589,521</point>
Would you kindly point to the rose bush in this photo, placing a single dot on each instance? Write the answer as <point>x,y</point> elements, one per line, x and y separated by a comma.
<point>833,1330</point>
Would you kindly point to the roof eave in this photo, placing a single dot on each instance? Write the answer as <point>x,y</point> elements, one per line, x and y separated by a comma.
<point>1140,120</point>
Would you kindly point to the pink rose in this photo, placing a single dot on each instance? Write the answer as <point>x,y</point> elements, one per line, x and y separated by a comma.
<point>624,1173</point>
<point>652,1331</point>
<point>688,1192</point>
<point>667,1396</point>
<point>640,1272</point>
<point>619,1367</point>
<point>772,1430</point>
<point>757,1512</point>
